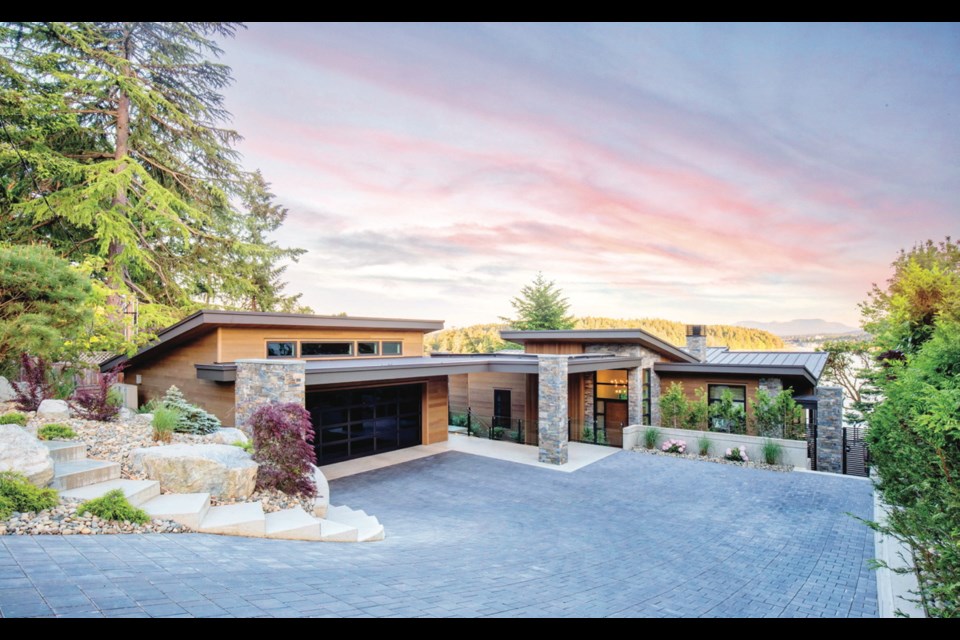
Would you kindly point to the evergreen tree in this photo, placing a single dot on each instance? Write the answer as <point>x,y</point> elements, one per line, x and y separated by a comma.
<point>540,306</point>
<point>113,151</point>
<point>44,303</point>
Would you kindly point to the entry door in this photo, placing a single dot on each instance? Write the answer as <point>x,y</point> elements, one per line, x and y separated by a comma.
<point>501,408</point>
<point>616,419</point>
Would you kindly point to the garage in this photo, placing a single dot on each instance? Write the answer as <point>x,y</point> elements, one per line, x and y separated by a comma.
<point>352,423</point>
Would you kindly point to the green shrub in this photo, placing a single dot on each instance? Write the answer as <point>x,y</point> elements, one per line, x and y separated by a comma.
<point>246,446</point>
<point>650,437</point>
<point>165,421</point>
<point>6,508</point>
<point>193,419</point>
<point>150,406</point>
<point>23,495</point>
<point>673,407</point>
<point>458,419</point>
<point>772,452</point>
<point>114,505</point>
<point>703,445</point>
<point>14,418</point>
<point>56,431</point>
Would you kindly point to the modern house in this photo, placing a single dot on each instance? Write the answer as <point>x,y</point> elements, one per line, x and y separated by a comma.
<point>370,389</point>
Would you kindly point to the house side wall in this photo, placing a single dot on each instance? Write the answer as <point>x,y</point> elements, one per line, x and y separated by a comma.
<point>459,391</point>
<point>480,392</point>
<point>175,367</point>
<point>246,342</point>
<point>435,411</point>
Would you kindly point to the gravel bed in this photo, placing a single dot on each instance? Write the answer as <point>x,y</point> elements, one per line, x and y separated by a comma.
<point>689,456</point>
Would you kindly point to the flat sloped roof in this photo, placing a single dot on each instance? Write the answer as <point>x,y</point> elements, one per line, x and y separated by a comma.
<point>600,336</point>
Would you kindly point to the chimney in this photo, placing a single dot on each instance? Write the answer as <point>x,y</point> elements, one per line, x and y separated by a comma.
<point>697,341</point>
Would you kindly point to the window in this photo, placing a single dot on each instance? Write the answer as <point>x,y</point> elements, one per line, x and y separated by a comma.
<point>612,384</point>
<point>325,349</point>
<point>281,349</point>
<point>368,348</point>
<point>733,420</point>
<point>501,408</point>
<point>392,348</point>
<point>646,396</point>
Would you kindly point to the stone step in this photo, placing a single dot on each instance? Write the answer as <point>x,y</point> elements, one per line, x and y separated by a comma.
<point>244,519</point>
<point>137,491</point>
<point>368,527</point>
<point>292,524</point>
<point>81,473</point>
<point>331,531</point>
<point>65,451</point>
<point>188,509</point>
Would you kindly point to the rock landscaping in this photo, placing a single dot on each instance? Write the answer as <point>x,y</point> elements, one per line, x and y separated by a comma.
<point>691,456</point>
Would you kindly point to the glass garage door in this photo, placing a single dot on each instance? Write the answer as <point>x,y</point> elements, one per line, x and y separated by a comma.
<point>352,423</point>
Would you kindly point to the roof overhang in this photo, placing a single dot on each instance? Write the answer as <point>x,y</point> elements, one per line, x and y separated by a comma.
<point>729,369</point>
<point>601,336</point>
<point>327,372</point>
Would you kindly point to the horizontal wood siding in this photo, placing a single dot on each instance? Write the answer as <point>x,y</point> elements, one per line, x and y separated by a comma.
<point>480,393</point>
<point>435,415</point>
<point>555,348</point>
<point>243,342</point>
<point>458,389</point>
<point>176,368</point>
<point>532,416</point>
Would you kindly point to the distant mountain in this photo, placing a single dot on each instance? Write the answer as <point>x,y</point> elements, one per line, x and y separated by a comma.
<point>802,327</point>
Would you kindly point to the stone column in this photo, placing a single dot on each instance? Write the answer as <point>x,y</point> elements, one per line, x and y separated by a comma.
<point>588,398</point>
<point>552,428</point>
<point>830,429</point>
<point>654,398</point>
<point>772,386</point>
<point>634,396</point>
<point>261,382</point>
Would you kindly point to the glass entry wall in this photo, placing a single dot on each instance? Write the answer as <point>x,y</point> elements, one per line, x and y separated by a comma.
<point>610,404</point>
<point>351,423</point>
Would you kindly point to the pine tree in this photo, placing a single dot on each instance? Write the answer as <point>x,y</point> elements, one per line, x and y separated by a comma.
<point>192,418</point>
<point>540,306</point>
<point>113,151</point>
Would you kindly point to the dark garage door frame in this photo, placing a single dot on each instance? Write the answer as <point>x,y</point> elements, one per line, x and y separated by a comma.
<point>352,423</point>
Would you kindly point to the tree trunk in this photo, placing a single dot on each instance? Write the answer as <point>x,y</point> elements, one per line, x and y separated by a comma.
<point>115,275</point>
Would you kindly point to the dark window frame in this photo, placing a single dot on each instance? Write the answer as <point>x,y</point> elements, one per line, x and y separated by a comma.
<point>350,343</point>
<point>293,343</point>
<point>376,348</point>
<point>399,344</point>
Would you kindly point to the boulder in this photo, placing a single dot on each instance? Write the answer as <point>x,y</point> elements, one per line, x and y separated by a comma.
<point>23,453</point>
<point>51,410</point>
<point>227,435</point>
<point>7,393</point>
<point>221,469</point>
<point>126,414</point>
<point>322,501</point>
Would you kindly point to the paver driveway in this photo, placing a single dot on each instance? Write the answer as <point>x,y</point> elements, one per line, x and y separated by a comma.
<point>631,535</point>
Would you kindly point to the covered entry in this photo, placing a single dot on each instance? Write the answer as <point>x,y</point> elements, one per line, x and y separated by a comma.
<point>351,423</point>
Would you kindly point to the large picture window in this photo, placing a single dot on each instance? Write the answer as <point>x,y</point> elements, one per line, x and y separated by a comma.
<point>727,418</point>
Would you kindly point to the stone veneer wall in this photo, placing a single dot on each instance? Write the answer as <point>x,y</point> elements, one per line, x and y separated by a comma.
<point>635,380</point>
<point>588,398</point>
<point>830,429</point>
<point>697,346</point>
<point>552,427</point>
<point>260,382</point>
<point>772,386</point>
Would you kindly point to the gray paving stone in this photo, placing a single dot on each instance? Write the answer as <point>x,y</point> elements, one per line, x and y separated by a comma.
<point>629,536</point>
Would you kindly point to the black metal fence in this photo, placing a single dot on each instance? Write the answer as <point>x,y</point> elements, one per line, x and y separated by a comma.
<point>493,427</point>
<point>595,432</point>
<point>856,456</point>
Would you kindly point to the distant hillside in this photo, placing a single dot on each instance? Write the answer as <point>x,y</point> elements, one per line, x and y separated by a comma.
<point>800,327</point>
<point>485,338</point>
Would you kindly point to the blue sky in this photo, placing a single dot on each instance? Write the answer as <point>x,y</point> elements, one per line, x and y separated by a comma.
<point>702,173</point>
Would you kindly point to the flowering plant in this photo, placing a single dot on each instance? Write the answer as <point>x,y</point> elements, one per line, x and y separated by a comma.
<point>737,454</point>
<point>674,446</point>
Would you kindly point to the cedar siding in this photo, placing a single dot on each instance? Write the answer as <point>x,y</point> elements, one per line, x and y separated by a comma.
<point>175,367</point>
<point>251,342</point>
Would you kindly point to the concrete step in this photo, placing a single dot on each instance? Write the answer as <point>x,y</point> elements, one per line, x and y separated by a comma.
<point>244,519</point>
<point>82,473</point>
<point>331,531</point>
<point>368,527</point>
<point>65,451</point>
<point>292,524</point>
<point>188,509</point>
<point>137,491</point>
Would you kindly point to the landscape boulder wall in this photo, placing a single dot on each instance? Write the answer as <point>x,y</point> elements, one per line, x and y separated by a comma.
<point>220,469</point>
<point>23,453</point>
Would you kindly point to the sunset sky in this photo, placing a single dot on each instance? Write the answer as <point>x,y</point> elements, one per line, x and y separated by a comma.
<point>698,173</point>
